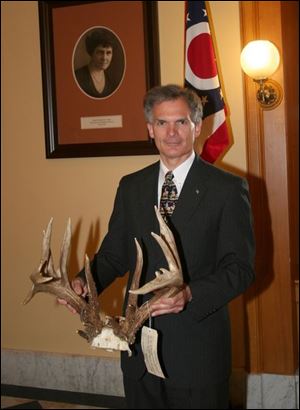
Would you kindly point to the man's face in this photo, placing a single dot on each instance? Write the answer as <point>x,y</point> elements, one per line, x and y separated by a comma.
<point>102,57</point>
<point>173,131</point>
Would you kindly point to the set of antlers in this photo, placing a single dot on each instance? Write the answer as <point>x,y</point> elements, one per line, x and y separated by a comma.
<point>112,333</point>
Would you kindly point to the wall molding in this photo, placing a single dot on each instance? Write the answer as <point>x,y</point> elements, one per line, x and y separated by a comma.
<point>102,376</point>
<point>86,374</point>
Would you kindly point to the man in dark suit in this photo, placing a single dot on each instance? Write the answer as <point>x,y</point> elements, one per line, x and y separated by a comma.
<point>212,225</point>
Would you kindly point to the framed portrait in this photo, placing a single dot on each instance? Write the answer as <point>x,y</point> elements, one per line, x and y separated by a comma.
<point>98,60</point>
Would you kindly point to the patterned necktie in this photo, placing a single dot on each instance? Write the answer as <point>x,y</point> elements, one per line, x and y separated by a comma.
<point>169,196</point>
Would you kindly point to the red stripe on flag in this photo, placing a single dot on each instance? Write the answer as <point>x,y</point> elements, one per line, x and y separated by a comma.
<point>215,144</point>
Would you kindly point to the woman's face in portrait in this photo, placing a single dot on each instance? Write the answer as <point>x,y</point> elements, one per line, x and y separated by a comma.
<point>102,57</point>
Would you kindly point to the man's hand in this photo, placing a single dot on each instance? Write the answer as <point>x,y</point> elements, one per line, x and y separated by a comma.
<point>80,288</point>
<point>174,304</point>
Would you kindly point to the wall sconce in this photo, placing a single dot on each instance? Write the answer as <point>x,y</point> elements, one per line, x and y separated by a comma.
<point>259,60</point>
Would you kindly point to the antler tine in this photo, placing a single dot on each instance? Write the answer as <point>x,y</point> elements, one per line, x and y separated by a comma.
<point>92,291</point>
<point>46,241</point>
<point>168,236</point>
<point>164,278</point>
<point>46,264</point>
<point>90,314</point>
<point>65,249</point>
<point>124,327</point>
<point>45,279</point>
<point>132,298</point>
<point>134,316</point>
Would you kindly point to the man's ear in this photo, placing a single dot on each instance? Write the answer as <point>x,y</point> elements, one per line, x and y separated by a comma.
<point>150,129</point>
<point>198,129</point>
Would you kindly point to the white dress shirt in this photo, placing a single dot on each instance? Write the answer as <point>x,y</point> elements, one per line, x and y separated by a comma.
<point>180,173</point>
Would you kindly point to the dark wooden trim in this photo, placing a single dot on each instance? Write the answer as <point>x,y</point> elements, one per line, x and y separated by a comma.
<point>271,301</point>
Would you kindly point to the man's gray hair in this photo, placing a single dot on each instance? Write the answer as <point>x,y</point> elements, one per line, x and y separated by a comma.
<point>172,92</point>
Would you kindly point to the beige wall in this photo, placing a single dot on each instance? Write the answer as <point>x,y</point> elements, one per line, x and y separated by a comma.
<point>34,188</point>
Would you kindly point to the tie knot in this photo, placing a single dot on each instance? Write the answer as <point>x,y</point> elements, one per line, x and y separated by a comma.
<point>169,176</point>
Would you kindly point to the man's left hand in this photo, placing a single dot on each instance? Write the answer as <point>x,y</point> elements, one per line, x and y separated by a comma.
<point>174,304</point>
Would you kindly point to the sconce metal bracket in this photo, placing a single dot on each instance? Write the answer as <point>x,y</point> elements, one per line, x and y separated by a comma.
<point>269,94</point>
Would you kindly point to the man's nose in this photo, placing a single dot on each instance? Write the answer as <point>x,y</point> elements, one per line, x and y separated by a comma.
<point>171,128</point>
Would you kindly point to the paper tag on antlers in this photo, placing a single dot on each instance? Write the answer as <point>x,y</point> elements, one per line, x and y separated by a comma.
<point>149,348</point>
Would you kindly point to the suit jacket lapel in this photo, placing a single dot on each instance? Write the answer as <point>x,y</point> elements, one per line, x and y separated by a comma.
<point>148,198</point>
<point>192,192</point>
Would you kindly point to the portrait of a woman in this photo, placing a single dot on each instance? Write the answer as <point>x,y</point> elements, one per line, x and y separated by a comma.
<point>103,73</point>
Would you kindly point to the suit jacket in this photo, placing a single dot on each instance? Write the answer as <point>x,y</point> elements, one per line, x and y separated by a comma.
<point>212,224</point>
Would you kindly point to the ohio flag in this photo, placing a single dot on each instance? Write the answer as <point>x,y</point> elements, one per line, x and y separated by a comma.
<point>202,76</point>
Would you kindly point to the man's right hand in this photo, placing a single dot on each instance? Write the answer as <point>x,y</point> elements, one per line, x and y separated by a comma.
<point>80,288</point>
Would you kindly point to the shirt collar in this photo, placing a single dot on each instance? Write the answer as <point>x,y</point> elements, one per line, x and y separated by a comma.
<point>180,173</point>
